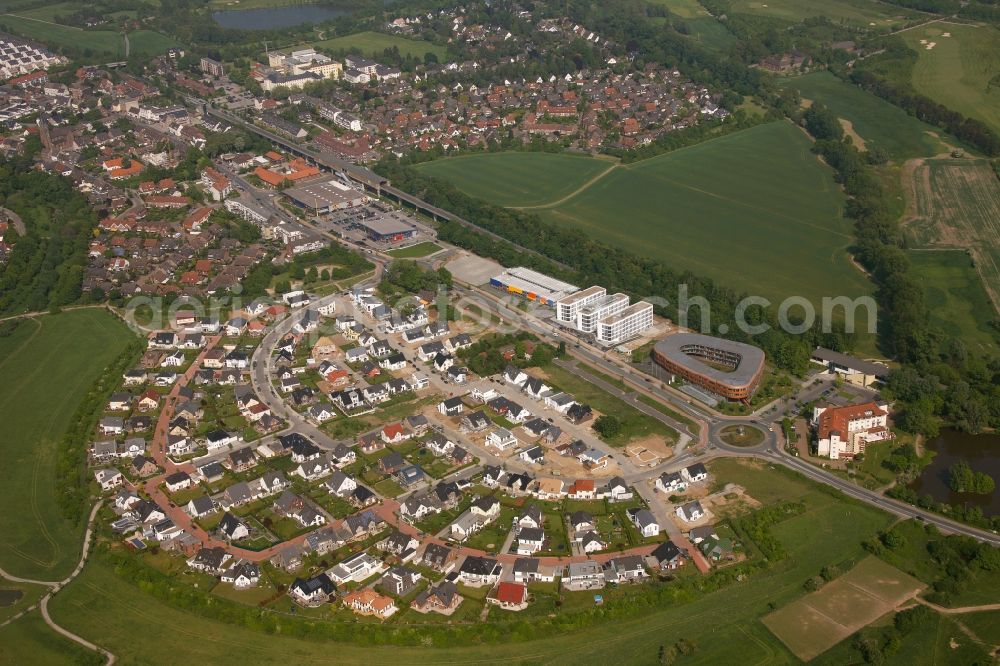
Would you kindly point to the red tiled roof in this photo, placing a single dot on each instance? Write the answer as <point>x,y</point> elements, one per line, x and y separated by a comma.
<point>836,419</point>
<point>510,593</point>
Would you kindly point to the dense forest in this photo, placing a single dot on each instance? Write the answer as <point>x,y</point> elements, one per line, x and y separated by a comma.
<point>45,268</point>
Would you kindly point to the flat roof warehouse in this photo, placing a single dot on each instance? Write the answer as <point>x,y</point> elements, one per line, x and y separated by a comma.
<point>533,285</point>
<point>326,196</point>
<point>387,226</point>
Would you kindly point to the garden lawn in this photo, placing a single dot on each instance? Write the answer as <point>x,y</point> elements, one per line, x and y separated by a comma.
<point>47,366</point>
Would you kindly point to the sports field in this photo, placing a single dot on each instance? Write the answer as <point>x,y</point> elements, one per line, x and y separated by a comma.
<point>46,367</point>
<point>518,179</point>
<point>957,205</point>
<point>956,299</point>
<point>820,620</point>
<point>723,624</point>
<point>877,121</point>
<point>957,70</point>
<point>374,43</point>
<point>867,13</point>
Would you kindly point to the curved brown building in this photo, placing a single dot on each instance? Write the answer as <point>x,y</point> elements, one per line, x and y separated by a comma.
<point>684,354</point>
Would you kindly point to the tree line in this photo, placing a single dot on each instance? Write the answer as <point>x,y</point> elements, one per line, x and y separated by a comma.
<point>940,380</point>
<point>45,268</point>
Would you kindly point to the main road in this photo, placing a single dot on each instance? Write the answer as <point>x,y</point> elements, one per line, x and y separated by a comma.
<point>710,422</point>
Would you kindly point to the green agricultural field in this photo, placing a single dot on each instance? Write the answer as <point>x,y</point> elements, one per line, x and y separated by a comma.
<point>858,12</point>
<point>955,296</point>
<point>754,210</point>
<point>149,43</point>
<point>723,624</point>
<point>877,122</point>
<point>48,12</point>
<point>519,179</point>
<point>46,367</point>
<point>251,4</point>
<point>709,32</point>
<point>66,37</point>
<point>957,70</point>
<point>374,43</point>
<point>957,205</point>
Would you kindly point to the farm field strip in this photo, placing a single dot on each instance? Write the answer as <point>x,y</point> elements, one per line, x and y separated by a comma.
<point>958,206</point>
<point>46,366</point>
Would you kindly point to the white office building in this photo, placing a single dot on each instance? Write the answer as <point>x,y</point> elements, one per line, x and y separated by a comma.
<point>568,308</point>
<point>608,317</point>
<point>628,323</point>
<point>590,316</point>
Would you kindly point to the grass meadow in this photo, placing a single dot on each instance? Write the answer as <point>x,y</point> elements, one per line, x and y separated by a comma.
<point>46,367</point>
<point>864,13</point>
<point>374,43</point>
<point>958,69</point>
<point>958,303</point>
<point>877,122</point>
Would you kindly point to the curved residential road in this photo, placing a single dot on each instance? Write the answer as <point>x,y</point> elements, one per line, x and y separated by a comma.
<point>55,586</point>
<point>15,220</point>
<point>709,420</point>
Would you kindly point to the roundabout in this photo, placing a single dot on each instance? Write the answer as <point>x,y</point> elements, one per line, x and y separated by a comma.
<point>742,435</point>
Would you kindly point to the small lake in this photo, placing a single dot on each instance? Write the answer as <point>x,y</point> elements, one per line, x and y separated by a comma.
<point>267,18</point>
<point>982,452</point>
<point>10,597</point>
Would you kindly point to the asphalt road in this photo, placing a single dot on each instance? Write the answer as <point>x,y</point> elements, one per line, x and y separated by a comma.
<point>711,423</point>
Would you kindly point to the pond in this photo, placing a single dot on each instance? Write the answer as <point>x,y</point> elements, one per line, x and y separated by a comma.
<point>9,597</point>
<point>268,18</point>
<point>982,452</point>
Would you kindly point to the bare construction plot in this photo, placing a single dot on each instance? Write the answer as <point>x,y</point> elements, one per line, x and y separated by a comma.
<point>818,621</point>
<point>957,205</point>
